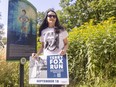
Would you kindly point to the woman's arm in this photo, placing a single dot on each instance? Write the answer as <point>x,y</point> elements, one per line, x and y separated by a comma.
<point>64,49</point>
<point>39,52</point>
<point>41,49</point>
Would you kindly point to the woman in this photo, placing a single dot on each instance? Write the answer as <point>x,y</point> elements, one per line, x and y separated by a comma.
<point>53,37</point>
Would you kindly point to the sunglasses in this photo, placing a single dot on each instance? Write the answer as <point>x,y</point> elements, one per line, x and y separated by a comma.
<point>54,16</point>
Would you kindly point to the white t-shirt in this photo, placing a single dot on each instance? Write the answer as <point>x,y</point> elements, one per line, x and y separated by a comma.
<point>53,43</point>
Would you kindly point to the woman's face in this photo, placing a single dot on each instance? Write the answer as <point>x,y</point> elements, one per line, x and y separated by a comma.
<point>51,18</point>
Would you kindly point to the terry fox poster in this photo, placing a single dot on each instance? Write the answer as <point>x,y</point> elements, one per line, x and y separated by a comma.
<point>52,69</point>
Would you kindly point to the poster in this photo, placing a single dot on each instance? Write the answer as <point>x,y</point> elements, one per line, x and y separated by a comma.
<point>52,69</point>
<point>21,34</point>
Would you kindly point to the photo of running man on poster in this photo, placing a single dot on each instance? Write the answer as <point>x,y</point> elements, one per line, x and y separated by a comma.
<point>24,27</point>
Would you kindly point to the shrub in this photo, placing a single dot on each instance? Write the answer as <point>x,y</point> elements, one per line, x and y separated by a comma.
<point>92,52</point>
<point>9,74</point>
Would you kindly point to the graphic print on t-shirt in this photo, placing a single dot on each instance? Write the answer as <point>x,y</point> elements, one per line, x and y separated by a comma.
<point>51,41</point>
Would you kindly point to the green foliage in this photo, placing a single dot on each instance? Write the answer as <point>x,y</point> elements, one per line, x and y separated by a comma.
<point>9,74</point>
<point>38,43</point>
<point>1,29</point>
<point>40,17</point>
<point>92,54</point>
<point>77,12</point>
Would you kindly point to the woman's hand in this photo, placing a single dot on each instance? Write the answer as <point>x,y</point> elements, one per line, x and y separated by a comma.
<point>62,52</point>
<point>34,55</point>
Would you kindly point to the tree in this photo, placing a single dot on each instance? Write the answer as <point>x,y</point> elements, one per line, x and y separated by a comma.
<point>76,12</point>
<point>1,29</point>
<point>1,35</point>
<point>40,17</point>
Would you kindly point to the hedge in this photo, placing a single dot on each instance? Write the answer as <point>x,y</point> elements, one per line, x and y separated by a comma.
<point>92,53</point>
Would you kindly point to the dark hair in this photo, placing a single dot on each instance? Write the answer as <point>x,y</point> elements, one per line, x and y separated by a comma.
<point>24,11</point>
<point>44,24</point>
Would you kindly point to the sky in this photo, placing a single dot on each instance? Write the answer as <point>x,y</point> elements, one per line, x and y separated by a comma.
<point>43,5</point>
<point>40,5</point>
